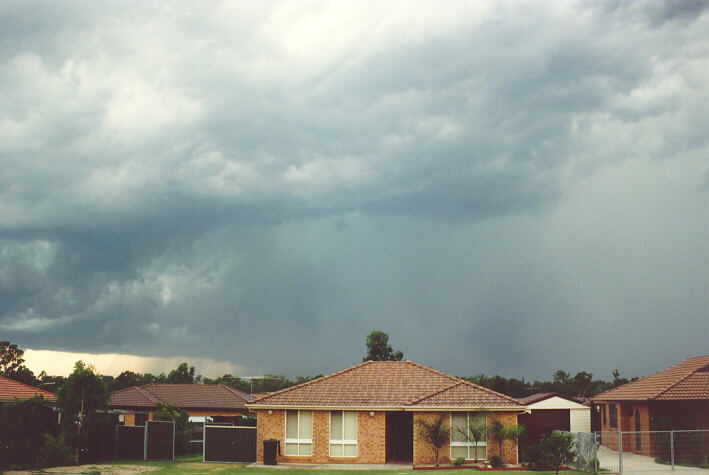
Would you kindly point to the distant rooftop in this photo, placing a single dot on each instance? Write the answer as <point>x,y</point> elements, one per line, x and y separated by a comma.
<point>11,390</point>
<point>185,396</point>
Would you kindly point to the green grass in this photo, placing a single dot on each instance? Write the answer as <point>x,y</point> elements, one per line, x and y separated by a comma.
<point>193,464</point>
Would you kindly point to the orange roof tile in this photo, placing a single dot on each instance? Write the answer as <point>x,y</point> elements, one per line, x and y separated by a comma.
<point>11,390</point>
<point>391,384</point>
<point>185,396</point>
<point>686,380</point>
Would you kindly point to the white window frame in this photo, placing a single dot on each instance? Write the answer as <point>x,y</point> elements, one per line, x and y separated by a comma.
<point>472,444</point>
<point>298,441</point>
<point>343,442</point>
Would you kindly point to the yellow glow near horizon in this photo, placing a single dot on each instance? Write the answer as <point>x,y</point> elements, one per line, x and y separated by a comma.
<point>61,363</point>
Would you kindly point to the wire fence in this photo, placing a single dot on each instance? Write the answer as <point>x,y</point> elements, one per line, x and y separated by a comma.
<point>642,451</point>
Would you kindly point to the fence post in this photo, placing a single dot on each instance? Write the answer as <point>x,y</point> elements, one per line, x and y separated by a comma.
<point>620,450</point>
<point>145,442</point>
<point>672,448</point>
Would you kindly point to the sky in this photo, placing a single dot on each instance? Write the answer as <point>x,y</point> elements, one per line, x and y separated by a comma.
<point>503,187</point>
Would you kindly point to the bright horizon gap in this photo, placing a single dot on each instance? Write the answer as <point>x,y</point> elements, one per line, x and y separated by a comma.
<point>61,363</point>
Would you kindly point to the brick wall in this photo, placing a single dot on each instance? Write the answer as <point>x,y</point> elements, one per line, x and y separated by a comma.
<point>370,437</point>
<point>424,453</point>
<point>509,447</point>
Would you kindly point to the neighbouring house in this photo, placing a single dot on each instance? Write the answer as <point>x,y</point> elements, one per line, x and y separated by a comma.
<point>674,399</point>
<point>213,401</point>
<point>552,411</point>
<point>370,413</point>
<point>10,390</point>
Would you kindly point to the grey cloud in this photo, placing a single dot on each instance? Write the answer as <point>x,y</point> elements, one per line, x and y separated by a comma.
<point>211,181</point>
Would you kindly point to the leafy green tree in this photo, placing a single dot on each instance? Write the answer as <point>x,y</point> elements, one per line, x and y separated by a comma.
<point>182,375</point>
<point>581,383</point>
<point>83,393</point>
<point>10,358</point>
<point>12,364</point>
<point>379,349</point>
<point>435,433</point>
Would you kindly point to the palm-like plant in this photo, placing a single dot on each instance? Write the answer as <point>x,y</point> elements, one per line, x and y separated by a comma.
<point>435,433</point>
<point>474,432</point>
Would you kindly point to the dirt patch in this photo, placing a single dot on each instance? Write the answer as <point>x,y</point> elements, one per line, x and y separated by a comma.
<point>93,468</point>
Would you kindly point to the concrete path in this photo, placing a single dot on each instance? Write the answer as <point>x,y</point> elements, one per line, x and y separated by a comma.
<point>638,464</point>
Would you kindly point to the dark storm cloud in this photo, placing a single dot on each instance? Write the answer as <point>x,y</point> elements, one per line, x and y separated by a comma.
<point>267,184</point>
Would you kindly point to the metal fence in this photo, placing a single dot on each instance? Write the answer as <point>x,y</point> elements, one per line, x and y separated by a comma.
<point>642,451</point>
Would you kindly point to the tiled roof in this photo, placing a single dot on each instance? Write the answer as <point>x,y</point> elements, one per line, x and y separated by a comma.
<point>391,384</point>
<point>185,396</point>
<point>11,390</point>
<point>133,397</point>
<point>683,381</point>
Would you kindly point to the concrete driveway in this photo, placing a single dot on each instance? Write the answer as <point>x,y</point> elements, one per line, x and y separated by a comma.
<point>636,463</point>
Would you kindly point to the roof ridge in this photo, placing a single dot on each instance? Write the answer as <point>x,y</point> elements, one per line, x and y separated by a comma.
<point>28,386</point>
<point>236,392</point>
<point>488,390</point>
<point>307,383</point>
<point>674,384</point>
<point>465,382</point>
<point>150,396</point>
<point>434,393</point>
<point>680,379</point>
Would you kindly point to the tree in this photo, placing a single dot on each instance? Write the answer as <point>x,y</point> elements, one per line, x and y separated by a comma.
<point>435,433</point>
<point>82,394</point>
<point>10,358</point>
<point>582,382</point>
<point>181,375</point>
<point>379,349</point>
<point>12,364</point>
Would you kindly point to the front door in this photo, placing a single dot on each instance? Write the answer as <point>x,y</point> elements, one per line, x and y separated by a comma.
<point>399,437</point>
<point>638,443</point>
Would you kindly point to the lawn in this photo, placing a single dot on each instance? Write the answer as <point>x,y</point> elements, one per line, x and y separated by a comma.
<point>194,464</point>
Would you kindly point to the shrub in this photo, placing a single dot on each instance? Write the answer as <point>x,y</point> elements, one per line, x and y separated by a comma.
<point>459,462</point>
<point>496,461</point>
<point>54,452</point>
<point>552,452</point>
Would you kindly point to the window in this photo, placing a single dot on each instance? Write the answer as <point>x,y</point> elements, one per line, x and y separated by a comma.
<point>299,433</point>
<point>613,415</point>
<point>343,434</point>
<point>603,413</point>
<point>468,435</point>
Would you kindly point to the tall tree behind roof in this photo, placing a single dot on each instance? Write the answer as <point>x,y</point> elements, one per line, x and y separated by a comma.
<point>379,349</point>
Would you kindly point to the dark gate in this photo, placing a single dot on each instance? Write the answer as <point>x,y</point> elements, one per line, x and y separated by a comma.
<point>399,437</point>
<point>130,442</point>
<point>229,443</point>
<point>160,440</point>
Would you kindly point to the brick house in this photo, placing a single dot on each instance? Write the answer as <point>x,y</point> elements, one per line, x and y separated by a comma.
<point>676,398</point>
<point>370,413</point>
<point>218,402</point>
